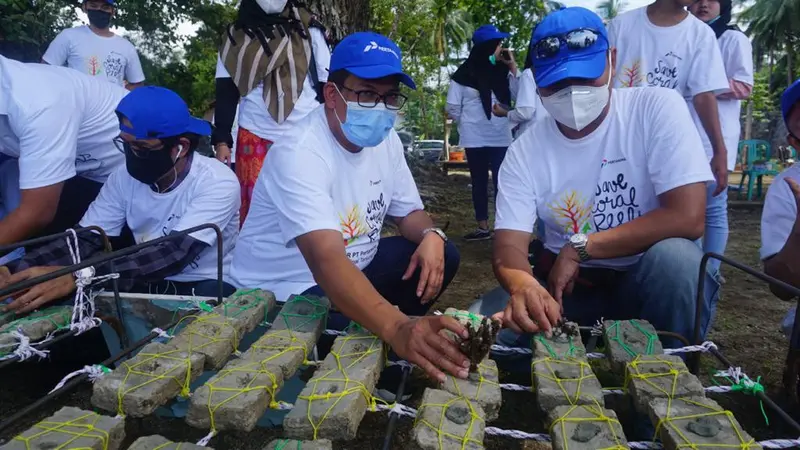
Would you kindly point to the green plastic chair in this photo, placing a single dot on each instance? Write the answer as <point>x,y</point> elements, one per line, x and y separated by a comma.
<point>755,164</point>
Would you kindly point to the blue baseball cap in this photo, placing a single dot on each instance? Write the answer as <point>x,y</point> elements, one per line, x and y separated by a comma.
<point>156,112</point>
<point>487,33</point>
<point>790,98</point>
<point>110,2</point>
<point>369,56</point>
<point>588,63</point>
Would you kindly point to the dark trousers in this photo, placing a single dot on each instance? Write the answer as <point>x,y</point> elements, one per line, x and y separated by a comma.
<point>480,161</point>
<point>204,288</point>
<point>76,196</point>
<point>385,272</point>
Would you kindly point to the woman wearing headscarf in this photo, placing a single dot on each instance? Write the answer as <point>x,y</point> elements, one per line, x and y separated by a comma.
<point>737,55</point>
<point>483,80</point>
<point>272,60</point>
<point>527,102</point>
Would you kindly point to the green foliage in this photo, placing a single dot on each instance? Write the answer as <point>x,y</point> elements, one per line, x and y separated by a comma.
<point>763,101</point>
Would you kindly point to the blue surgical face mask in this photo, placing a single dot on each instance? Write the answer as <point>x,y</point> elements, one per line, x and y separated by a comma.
<point>367,127</point>
<point>493,60</point>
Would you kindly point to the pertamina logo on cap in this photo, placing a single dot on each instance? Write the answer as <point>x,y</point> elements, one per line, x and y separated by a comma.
<point>374,46</point>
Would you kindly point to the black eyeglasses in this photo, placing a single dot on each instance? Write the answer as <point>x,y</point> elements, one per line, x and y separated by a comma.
<point>139,152</point>
<point>550,46</point>
<point>370,99</point>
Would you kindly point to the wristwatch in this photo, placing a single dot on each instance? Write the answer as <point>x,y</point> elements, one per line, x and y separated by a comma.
<point>578,242</point>
<point>437,231</point>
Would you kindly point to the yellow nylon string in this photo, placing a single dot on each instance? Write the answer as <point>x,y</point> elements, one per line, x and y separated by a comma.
<point>71,428</point>
<point>597,415</point>
<point>439,427</point>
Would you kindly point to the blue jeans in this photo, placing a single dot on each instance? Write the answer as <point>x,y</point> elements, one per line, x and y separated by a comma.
<point>480,161</point>
<point>661,288</point>
<point>716,235</point>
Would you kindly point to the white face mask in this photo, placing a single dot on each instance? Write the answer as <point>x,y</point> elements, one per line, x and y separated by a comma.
<point>272,6</point>
<point>578,106</point>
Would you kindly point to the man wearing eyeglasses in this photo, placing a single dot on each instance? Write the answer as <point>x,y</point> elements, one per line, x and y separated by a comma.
<point>619,182</point>
<point>316,217</point>
<point>164,188</point>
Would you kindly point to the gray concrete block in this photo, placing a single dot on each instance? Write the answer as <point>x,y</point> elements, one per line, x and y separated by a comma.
<point>213,335</point>
<point>660,376</point>
<point>680,427</point>
<point>157,374</point>
<point>6,317</point>
<point>558,347</point>
<point>162,443</point>
<point>236,397</point>
<point>248,306</point>
<point>585,427</point>
<point>39,324</point>
<point>564,383</point>
<point>71,428</point>
<point>447,422</point>
<point>289,444</point>
<point>482,387</point>
<point>337,396</point>
<point>627,339</point>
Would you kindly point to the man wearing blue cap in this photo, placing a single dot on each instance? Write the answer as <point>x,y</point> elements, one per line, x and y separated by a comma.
<point>780,220</point>
<point>164,188</point>
<point>95,50</point>
<point>619,182</point>
<point>315,221</point>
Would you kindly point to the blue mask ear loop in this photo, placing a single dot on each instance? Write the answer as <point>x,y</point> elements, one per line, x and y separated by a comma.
<point>334,110</point>
<point>713,20</point>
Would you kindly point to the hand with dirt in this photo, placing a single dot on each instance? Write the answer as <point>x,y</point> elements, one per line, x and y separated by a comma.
<point>40,294</point>
<point>420,342</point>
<point>531,309</point>
<point>564,273</point>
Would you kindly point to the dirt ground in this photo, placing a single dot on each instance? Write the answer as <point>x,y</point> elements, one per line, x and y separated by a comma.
<point>746,330</point>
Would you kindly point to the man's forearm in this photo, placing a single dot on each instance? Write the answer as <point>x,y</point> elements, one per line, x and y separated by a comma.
<point>511,265</point>
<point>18,226</point>
<point>638,235</point>
<point>707,109</point>
<point>413,225</point>
<point>784,267</point>
<point>354,295</point>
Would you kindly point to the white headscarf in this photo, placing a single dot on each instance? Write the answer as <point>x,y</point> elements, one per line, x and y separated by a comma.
<point>272,6</point>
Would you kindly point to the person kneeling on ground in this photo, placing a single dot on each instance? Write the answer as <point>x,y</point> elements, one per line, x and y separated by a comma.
<point>618,178</point>
<point>780,220</point>
<point>163,188</point>
<point>317,212</point>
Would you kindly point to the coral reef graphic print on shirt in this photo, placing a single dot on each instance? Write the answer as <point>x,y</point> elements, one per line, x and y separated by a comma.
<point>361,228</point>
<point>352,226</point>
<point>631,76</point>
<point>93,66</point>
<point>572,212</point>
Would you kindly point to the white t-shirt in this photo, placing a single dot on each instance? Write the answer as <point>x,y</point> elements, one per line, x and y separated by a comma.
<point>684,57</point>
<point>474,129</point>
<point>111,58</point>
<point>779,214</point>
<point>308,183</point>
<point>646,146</point>
<point>208,194</point>
<point>253,113</point>
<point>57,123</point>
<point>737,54</point>
<point>528,103</point>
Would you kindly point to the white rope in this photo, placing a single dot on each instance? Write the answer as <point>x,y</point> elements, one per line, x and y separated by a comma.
<point>503,349</point>
<point>334,333</point>
<point>95,372</point>
<point>705,347</point>
<point>161,333</point>
<point>780,443</point>
<point>24,349</point>
<point>204,442</point>
<point>515,387</point>
<point>597,329</point>
<point>284,406</point>
<point>517,434</point>
<point>397,408</point>
<point>83,310</point>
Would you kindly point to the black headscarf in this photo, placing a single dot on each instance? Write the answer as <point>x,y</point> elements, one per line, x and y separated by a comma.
<point>722,24</point>
<point>479,73</point>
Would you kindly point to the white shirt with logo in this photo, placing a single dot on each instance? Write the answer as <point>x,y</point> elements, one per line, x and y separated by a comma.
<point>253,113</point>
<point>309,182</point>
<point>684,57</point>
<point>58,123</point>
<point>111,58</point>
<point>645,147</point>
<point>464,106</point>
<point>208,194</point>
<point>779,214</point>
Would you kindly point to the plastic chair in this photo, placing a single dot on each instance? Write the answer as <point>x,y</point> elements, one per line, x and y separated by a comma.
<point>756,163</point>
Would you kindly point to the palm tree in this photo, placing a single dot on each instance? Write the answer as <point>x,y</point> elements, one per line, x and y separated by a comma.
<point>609,9</point>
<point>774,26</point>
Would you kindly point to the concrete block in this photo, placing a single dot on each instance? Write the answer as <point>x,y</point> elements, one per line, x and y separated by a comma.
<point>72,428</point>
<point>6,317</point>
<point>564,383</point>
<point>585,427</point>
<point>157,374</point>
<point>482,387</point>
<point>39,324</point>
<point>236,397</point>
<point>660,376</point>
<point>248,306</point>
<point>697,422</point>
<point>289,444</point>
<point>213,335</point>
<point>162,443</point>
<point>334,401</point>
<point>482,334</point>
<point>558,347</point>
<point>447,422</point>
<point>627,339</point>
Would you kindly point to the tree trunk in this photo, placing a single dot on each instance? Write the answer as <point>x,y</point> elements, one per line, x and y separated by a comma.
<point>342,17</point>
<point>789,62</point>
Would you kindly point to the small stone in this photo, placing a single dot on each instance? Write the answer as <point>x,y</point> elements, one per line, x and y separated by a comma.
<point>704,426</point>
<point>585,432</point>
<point>458,414</point>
